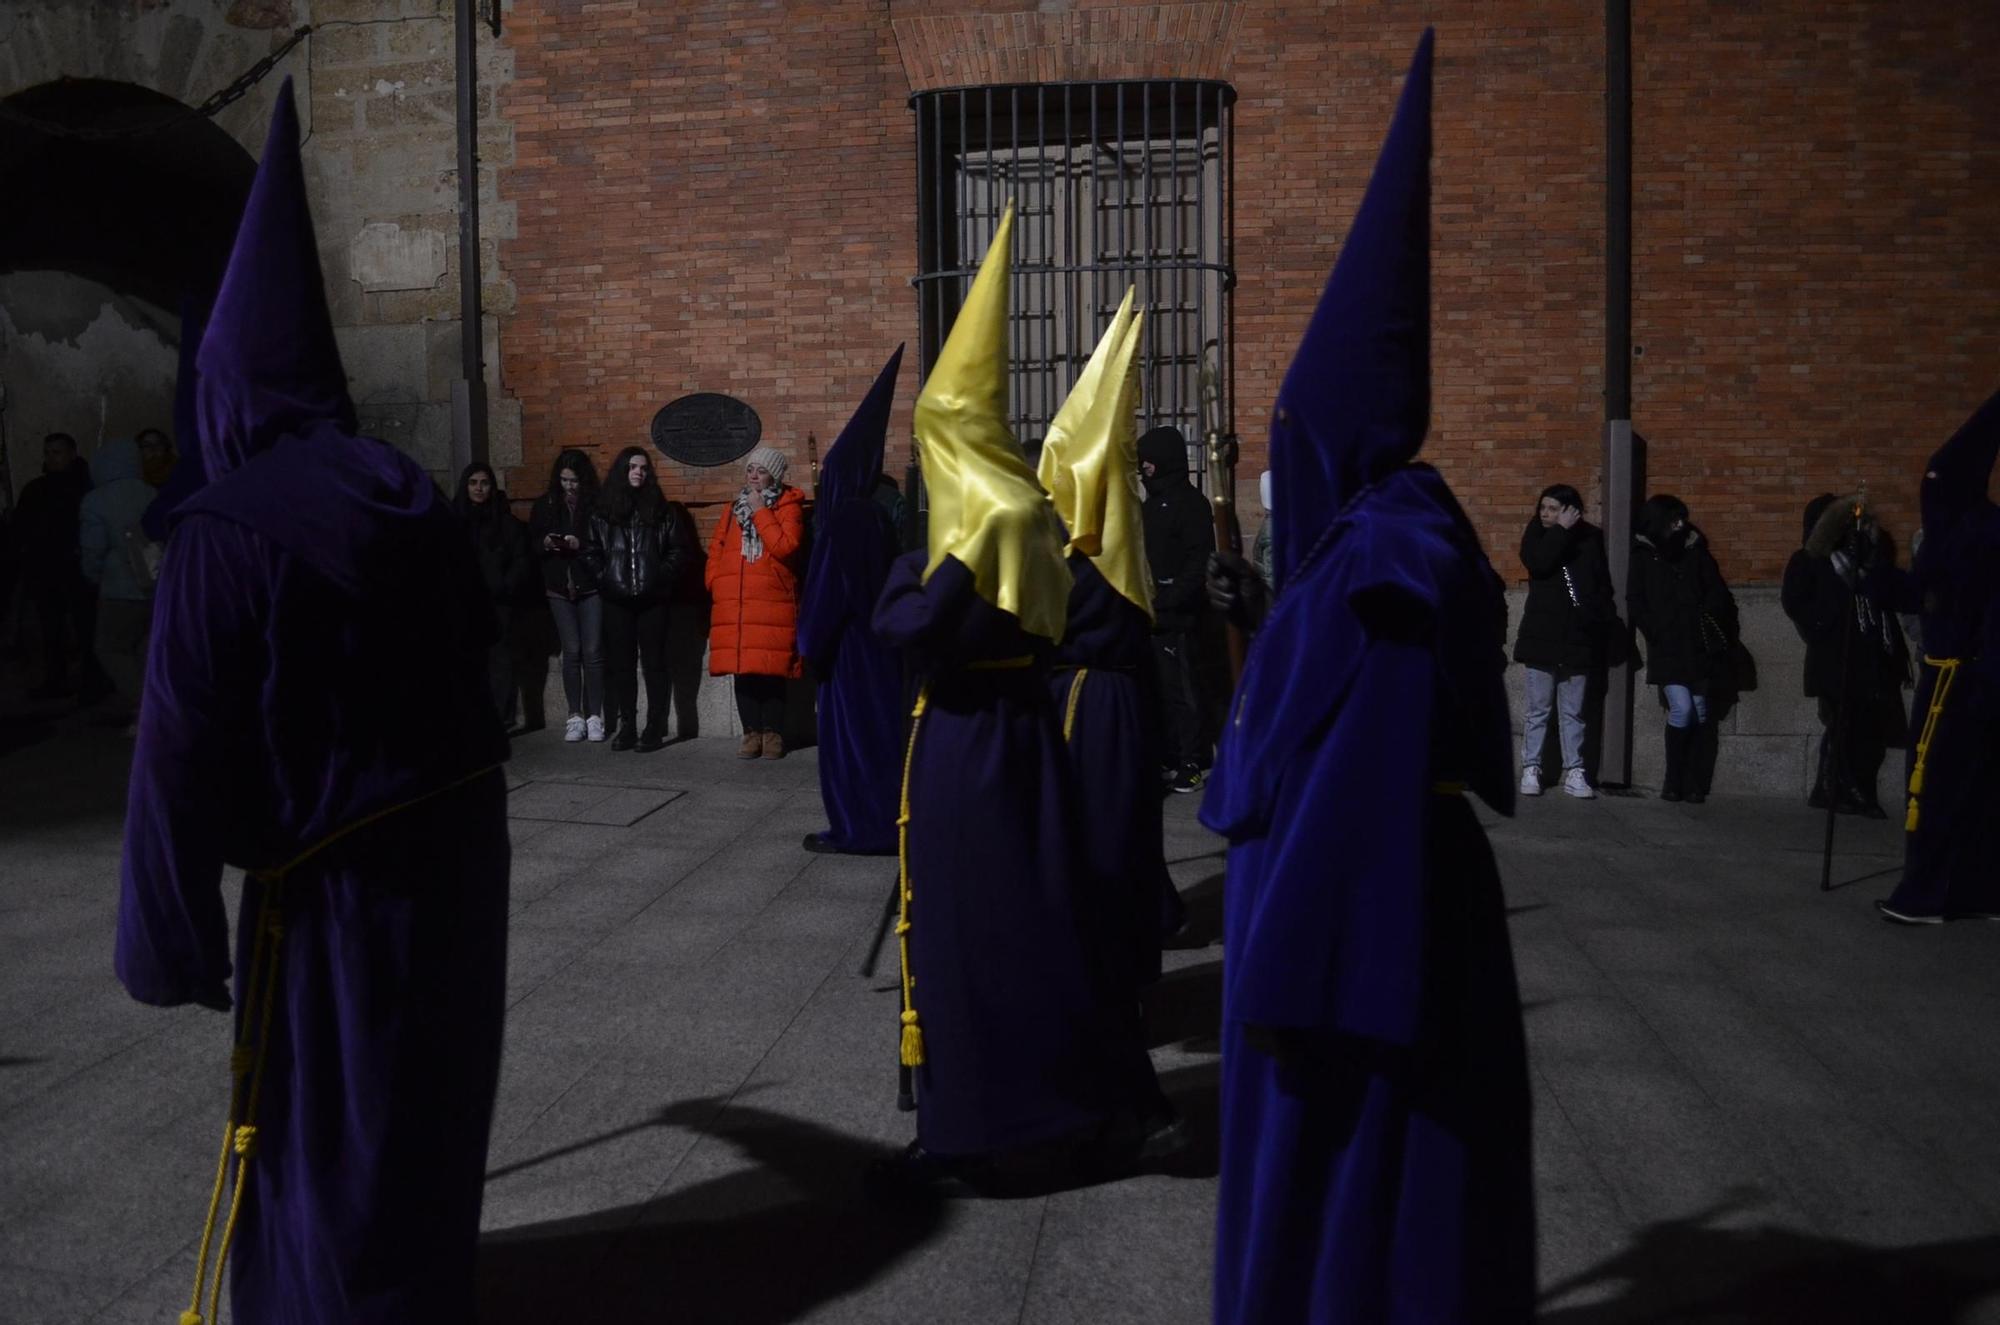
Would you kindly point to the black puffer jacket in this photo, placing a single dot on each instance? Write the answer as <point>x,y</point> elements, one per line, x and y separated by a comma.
<point>1180,533</point>
<point>1824,608</point>
<point>641,560</point>
<point>501,543</point>
<point>1570,605</point>
<point>1674,583</point>
<point>565,574</point>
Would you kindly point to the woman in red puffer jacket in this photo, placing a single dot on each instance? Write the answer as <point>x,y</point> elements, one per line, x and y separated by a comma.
<point>755,563</point>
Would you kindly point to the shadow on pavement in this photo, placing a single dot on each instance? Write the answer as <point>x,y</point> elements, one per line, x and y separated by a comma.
<point>1204,915</point>
<point>1184,1004</point>
<point>1689,1272</point>
<point>754,1247</point>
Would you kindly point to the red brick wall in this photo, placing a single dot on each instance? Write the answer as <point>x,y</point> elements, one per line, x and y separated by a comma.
<point>719,196</point>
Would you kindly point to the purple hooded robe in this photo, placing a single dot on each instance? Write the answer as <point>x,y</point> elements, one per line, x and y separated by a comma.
<point>1949,856</point>
<point>860,681</point>
<point>1375,1138</point>
<point>317,661</point>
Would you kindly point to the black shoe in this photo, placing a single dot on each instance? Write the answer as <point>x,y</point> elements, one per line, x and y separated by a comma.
<point>625,739</point>
<point>650,740</point>
<point>1696,797</point>
<point>818,844</point>
<point>1190,778</point>
<point>1896,917</point>
<point>1816,798</point>
<point>914,1173</point>
<point>1668,794</point>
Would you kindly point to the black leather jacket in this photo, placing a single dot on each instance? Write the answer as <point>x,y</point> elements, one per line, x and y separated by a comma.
<point>641,561</point>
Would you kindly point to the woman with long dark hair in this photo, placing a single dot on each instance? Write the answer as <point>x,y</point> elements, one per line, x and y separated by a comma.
<point>560,531</point>
<point>1679,602</point>
<point>501,545</point>
<point>638,543</point>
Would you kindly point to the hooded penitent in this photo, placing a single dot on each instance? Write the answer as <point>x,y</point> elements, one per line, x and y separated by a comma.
<point>1376,1143</point>
<point>1102,681</point>
<point>1090,461</point>
<point>986,509</point>
<point>316,713</point>
<point>1954,785</point>
<point>860,719</point>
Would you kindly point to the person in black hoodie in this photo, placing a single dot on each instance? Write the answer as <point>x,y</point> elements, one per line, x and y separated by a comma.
<point>559,530</point>
<point>1678,601</point>
<point>1179,537</point>
<point>1856,659</point>
<point>46,524</point>
<point>1569,613</point>
<point>639,542</point>
<point>502,547</point>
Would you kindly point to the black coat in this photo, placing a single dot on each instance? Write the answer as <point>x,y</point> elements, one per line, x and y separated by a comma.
<point>1823,609</point>
<point>1570,607</point>
<point>565,574</point>
<point>1180,533</point>
<point>641,561</point>
<point>501,543</point>
<point>1670,589</point>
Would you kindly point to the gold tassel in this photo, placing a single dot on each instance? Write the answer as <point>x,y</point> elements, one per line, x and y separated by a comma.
<point>1910,819</point>
<point>913,1040</point>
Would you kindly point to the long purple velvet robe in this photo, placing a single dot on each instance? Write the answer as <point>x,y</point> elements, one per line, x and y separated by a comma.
<point>1019,1045</point>
<point>1100,685</point>
<point>1375,1159</point>
<point>263,729</point>
<point>860,687</point>
<point>1949,860</point>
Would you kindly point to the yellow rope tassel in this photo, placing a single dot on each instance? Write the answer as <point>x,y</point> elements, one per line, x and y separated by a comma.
<point>1069,709</point>
<point>246,1058</point>
<point>911,1049</point>
<point>1947,671</point>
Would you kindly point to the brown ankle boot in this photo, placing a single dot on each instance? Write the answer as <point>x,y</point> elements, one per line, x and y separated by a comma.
<point>774,746</point>
<point>753,745</point>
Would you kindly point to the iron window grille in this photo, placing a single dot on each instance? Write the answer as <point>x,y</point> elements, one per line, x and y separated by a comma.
<point>1114,184</point>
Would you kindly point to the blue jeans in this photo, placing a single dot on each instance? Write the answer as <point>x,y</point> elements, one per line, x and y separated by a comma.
<point>580,627</point>
<point>1684,707</point>
<point>1566,697</point>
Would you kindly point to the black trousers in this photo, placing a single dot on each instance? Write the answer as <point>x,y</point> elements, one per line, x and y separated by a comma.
<point>760,703</point>
<point>1860,743</point>
<point>635,640</point>
<point>1180,701</point>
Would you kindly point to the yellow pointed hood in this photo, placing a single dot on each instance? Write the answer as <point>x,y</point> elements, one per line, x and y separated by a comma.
<point>1090,462</point>
<point>986,509</point>
<point>1070,430</point>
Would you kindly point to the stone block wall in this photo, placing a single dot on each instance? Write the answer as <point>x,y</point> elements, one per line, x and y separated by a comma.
<point>375,82</point>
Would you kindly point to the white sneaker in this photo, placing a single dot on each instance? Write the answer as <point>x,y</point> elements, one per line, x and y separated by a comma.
<point>596,727</point>
<point>1531,781</point>
<point>573,729</point>
<point>1577,785</point>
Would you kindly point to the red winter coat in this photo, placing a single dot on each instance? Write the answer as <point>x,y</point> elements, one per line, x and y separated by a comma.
<point>754,628</point>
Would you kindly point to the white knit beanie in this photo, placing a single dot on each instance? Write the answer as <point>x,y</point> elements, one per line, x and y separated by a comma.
<point>771,458</point>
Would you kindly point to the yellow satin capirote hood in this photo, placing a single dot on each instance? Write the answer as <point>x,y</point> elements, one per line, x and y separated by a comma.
<point>1090,461</point>
<point>986,509</point>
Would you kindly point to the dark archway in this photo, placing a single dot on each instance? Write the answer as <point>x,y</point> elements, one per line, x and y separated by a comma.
<point>120,184</point>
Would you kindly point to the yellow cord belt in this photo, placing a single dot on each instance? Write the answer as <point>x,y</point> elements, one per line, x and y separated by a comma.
<point>1947,671</point>
<point>1075,694</point>
<point>912,1048</point>
<point>253,1036</point>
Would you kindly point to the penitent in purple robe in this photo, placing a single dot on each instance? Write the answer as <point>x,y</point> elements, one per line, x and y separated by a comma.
<point>860,679</point>
<point>1019,1045</point>
<point>317,660</point>
<point>1375,1106</point>
<point>1103,671</point>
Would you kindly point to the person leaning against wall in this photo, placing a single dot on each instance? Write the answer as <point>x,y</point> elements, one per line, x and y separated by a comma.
<point>1681,605</point>
<point>754,565</point>
<point>1570,614</point>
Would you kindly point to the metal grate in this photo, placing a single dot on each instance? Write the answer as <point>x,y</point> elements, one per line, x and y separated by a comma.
<point>1114,184</point>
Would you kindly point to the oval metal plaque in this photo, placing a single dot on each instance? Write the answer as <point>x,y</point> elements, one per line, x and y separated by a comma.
<point>706,429</point>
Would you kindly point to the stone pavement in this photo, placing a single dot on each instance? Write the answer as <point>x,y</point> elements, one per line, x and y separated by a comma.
<point>1754,1102</point>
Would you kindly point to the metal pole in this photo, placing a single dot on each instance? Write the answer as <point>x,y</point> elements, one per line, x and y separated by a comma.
<point>468,393</point>
<point>1621,457</point>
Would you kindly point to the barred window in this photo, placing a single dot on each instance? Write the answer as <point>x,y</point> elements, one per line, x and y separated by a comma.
<point>1114,184</point>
